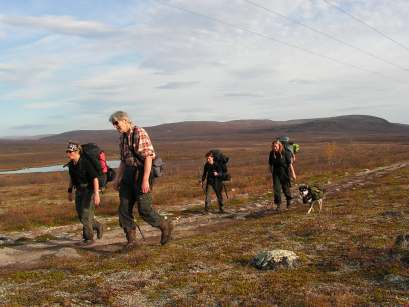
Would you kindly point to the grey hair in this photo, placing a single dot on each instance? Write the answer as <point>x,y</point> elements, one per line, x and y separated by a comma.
<point>119,115</point>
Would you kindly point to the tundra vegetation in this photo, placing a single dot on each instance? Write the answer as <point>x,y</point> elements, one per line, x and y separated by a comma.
<point>347,253</point>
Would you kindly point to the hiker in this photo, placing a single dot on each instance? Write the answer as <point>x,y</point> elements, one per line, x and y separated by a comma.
<point>281,166</point>
<point>212,171</point>
<point>84,179</point>
<point>134,180</point>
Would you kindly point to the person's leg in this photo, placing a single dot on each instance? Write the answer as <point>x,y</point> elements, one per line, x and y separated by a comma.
<point>277,191</point>
<point>149,215</point>
<point>218,189</point>
<point>208,198</point>
<point>98,228</point>
<point>85,209</point>
<point>127,198</point>
<point>125,210</point>
<point>286,184</point>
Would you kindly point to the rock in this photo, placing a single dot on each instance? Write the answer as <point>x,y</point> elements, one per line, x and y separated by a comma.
<point>271,260</point>
<point>392,214</point>
<point>402,241</point>
<point>6,241</point>
<point>395,279</point>
<point>398,281</point>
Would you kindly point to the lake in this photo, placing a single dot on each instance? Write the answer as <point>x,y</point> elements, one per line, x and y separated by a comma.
<point>51,168</point>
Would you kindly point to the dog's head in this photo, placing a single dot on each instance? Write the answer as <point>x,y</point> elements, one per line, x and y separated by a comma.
<point>305,192</point>
<point>303,188</point>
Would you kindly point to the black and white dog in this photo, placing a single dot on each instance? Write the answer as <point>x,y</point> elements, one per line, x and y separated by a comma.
<point>311,195</point>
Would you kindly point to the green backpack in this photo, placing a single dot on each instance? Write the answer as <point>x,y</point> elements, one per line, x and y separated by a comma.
<point>316,192</point>
<point>290,146</point>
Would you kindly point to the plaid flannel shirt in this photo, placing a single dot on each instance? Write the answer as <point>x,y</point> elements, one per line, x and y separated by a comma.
<point>142,147</point>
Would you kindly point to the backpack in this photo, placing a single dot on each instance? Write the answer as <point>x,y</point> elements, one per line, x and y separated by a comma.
<point>221,160</point>
<point>289,146</point>
<point>316,192</point>
<point>157,164</point>
<point>96,156</point>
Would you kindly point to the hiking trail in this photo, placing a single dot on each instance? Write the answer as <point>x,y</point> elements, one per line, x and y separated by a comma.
<point>28,247</point>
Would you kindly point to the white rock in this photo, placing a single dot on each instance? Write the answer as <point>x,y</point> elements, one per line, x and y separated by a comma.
<point>274,259</point>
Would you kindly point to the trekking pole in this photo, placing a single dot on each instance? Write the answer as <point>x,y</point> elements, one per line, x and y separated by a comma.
<point>140,230</point>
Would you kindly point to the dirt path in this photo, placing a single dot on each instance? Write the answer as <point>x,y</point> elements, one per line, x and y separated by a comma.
<point>32,246</point>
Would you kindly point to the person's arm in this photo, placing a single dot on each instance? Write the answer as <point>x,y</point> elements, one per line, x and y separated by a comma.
<point>69,190</point>
<point>292,172</point>
<point>218,171</point>
<point>119,174</point>
<point>97,199</point>
<point>270,161</point>
<point>147,167</point>
<point>146,151</point>
<point>289,159</point>
<point>204,173</point>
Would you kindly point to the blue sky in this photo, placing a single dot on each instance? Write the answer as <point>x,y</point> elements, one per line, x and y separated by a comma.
<point>68,65</point>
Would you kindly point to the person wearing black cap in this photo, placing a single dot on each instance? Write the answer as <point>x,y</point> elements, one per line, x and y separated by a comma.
<point>84,179</point>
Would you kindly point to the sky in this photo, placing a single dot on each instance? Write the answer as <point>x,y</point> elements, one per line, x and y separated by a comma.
<point>68,64</point>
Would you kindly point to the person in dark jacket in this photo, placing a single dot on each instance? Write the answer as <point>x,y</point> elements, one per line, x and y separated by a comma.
<point>212,173</point>
<point>282,170</point>
<point>84,179</point>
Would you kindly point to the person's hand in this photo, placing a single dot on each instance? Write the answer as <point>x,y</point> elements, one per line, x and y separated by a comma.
<point>216,173</point>
<point>145,186</point>
<point>97,199</point>
<point>69,196</point>
<point>115,184</point>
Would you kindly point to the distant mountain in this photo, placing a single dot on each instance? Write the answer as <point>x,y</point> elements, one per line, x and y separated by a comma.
<point>350,126</point>
<point>32,137</point>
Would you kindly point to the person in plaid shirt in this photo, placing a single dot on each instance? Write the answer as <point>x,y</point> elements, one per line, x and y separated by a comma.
<point>134,179</point>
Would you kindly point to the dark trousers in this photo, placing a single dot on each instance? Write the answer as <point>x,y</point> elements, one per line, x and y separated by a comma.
<point>86,212</point>
<point>217,187</point>
<point>130,192</point>
<point>278,185</point>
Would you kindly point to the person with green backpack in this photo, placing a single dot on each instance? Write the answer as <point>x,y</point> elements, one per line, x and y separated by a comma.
<point>281,166</point>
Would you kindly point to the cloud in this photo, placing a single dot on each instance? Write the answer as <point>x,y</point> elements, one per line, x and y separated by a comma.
<point>250,95</point>
<point>301,82</point>
<point>43,105</point>
<point>164,65</point>
<point>177,85</point>
<point>60,24</point>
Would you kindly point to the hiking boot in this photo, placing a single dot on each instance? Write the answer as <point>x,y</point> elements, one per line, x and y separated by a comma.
<point>100,231</point>
<point>131,240</point>
<point>166,228</point>
<point>221,210</point>
<point>289,203</point>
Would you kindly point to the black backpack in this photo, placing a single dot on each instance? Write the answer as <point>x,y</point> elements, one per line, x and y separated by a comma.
<point>221,160</point>
<point>92,153</point>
